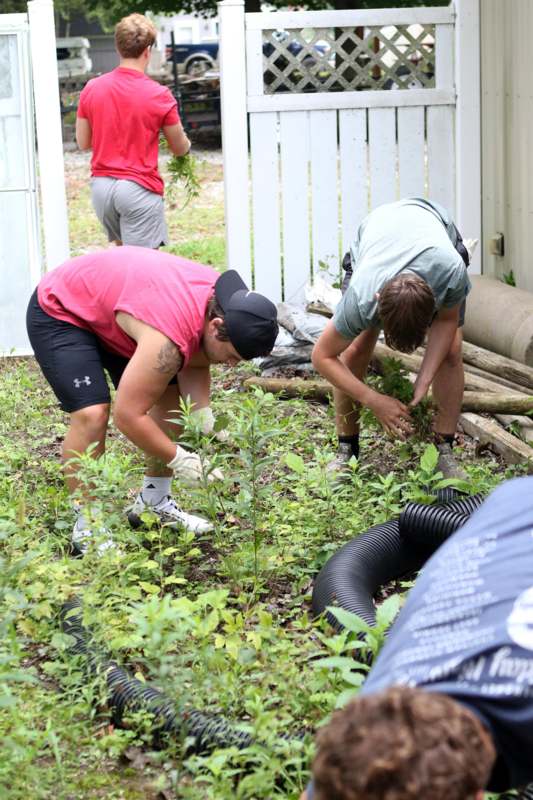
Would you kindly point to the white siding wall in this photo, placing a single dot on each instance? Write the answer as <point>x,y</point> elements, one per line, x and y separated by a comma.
<point>507,136</point>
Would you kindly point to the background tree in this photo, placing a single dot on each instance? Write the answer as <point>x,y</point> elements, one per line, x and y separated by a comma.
<point>110,11</point>
<point>208,8</point>
<point>68,9</point>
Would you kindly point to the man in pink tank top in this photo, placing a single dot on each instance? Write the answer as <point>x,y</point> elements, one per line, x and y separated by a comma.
<point>154,322</point>
<point>120,116</point>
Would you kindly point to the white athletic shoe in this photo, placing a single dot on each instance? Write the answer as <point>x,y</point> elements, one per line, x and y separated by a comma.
<point>169,514</point>
<point>81,539</point>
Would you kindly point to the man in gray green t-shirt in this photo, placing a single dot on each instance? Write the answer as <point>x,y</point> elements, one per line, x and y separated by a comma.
<point>409,279</point>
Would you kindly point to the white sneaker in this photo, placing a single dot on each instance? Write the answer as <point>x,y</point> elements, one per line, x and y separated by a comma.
<point>81,539</point>
<point>169,514</point>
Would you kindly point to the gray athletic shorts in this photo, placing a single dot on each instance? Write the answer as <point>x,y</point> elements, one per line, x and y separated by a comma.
<point>129,213</point>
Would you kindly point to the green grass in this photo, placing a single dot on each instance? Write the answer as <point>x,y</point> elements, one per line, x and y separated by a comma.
<point>210,250</point>
<point>196,231</point>
<point>220,623</point>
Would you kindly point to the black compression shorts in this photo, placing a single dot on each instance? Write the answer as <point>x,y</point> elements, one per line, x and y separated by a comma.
<point>72,359</point>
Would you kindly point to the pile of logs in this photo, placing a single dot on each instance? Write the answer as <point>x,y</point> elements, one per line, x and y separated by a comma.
<point>494,385</point>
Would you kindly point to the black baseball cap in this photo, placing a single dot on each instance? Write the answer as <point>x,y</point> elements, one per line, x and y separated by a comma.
<point>250,318</point>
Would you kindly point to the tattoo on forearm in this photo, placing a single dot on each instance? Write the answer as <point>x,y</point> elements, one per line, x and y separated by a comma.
<point>169,359</point>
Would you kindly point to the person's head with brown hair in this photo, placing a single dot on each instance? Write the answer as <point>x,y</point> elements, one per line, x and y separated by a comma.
<point>403,744</point>
<point>133,34</point>
<point>406,306</point>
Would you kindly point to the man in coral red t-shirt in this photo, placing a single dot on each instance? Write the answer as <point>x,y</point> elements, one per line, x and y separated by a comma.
<point>120,115</point>
<point>154,322</point>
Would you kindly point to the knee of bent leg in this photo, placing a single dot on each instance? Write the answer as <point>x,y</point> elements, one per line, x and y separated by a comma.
<point>93,420</point>
<point>454,357</point>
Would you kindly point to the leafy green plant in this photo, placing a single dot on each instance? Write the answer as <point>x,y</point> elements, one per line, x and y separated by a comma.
<point>386,495</point>
<point>361,639</point>
<point>396,383</point>
<point>425,481</point>
<point>253,433</point>
<point>184,178</point>
<point>509,278</point>
<point>219,622</point>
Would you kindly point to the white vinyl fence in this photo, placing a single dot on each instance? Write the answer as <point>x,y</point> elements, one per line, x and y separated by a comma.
<point>328,114</point>
<point>29,98</point>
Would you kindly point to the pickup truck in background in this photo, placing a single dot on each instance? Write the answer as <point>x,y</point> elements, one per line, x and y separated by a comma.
<point>194,59</point>
<point>197,59</point>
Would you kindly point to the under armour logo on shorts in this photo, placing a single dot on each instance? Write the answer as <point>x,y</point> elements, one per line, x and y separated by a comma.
<point>78,381</point>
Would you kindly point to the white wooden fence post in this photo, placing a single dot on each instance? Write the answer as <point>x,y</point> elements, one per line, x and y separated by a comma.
<point>49,138</point>
<point>232,59</point>
<point>468,123</point>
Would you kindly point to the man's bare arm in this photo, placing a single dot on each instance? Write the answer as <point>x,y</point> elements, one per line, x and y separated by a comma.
<point>326,360</point>
<point>169,359</point>
<point>84,134</point>
<point>177,139</point>
<point>155,361</point>
<point>393,415</point>
<point>440,338</point>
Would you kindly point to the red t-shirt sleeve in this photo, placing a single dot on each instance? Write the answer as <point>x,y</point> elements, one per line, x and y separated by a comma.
<point>169,108</point>
<point>172,117</point>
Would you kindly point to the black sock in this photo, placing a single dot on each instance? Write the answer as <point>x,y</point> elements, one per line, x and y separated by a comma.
<point>445,438</point>
<point>353,441</point>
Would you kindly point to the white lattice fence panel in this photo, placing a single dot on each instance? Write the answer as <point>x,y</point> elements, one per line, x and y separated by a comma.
<point>349,59</point>
<point>347,110</point>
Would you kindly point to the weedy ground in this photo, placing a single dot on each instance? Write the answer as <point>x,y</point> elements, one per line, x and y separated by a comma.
<point>221,622</point>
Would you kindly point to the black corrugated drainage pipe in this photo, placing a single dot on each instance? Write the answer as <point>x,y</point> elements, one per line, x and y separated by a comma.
<point>353,575</point>
<point>206,732</point>
<point>427,527</point>
<point>466,505</point>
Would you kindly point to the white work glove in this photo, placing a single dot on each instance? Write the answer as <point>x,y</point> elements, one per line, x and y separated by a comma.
<point>206,423</point>
<point>188,466</point>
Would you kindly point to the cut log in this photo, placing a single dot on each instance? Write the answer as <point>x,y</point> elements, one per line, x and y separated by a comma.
<point>489,433</point>
<point>293,387</point>
<point>482,373</point>
<point>497,379</point>
<point>412,362</point>
<point>322,390</point>
<point>476,383</point>
<point>498,365</point>
<point>524,425</point>
<point>497,403</point>
<point>508,419</point>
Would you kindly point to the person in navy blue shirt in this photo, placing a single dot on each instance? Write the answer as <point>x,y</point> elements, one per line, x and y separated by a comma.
<point>447,710</point>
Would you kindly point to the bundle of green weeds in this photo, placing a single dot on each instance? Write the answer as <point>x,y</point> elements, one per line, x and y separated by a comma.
<point>395,383</point>
<point>184,176</point>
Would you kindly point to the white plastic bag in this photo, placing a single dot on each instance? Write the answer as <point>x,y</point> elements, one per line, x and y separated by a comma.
<point>322,293</point>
